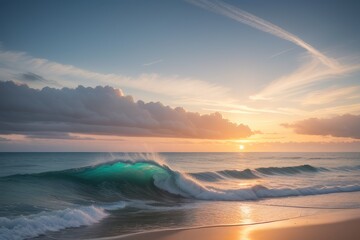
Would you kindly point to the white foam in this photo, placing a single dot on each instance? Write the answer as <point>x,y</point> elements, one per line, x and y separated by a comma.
<point>114,206</point>
<point>37,224</point>
<point>187,186</point>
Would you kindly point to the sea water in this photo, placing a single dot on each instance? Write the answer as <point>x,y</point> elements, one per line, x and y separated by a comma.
<point>92,195</point>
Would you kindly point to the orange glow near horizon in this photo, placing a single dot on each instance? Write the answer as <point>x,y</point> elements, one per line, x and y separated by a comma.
<point>258,143</point>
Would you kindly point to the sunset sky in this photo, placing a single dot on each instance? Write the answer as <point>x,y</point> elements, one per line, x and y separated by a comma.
<point>196,75</point>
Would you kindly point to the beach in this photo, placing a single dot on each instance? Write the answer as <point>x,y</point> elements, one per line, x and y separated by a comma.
<point>335,225</point>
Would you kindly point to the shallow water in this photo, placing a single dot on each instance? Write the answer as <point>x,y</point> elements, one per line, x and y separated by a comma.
<point>83,195</point>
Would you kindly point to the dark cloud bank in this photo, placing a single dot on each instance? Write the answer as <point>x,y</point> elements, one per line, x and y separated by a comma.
<point>340,126</point>
<point>103,110</point>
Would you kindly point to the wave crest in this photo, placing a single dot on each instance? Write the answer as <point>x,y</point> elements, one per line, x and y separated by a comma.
<point>152,180</point>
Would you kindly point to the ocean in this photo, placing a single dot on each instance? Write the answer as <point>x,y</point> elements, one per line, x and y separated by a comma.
<point>95,195</point>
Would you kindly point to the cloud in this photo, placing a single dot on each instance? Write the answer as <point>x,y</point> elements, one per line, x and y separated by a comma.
<point>344,109</point>
<point>330,95</point>
<point>310,73</point>
<point>281,53</point>
<point>152,62</point>
<point>263,25</point>
<point>56,135</point>
<point>340,126</point>
<point>173,89</point>
<point>278,146</point>
<point>4,139</point>
<point>31,77</point>
<point>15,64</point>
<point>104,111</point>
<point>318,68</point>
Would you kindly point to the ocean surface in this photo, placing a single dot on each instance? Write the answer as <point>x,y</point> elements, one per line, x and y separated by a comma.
<point>93,195</point>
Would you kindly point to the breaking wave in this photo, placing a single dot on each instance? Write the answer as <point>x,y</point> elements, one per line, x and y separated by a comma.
<point>151,180</point>
<point>23,227</point>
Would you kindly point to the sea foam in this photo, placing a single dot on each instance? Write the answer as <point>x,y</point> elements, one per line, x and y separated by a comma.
<point>22,227</point>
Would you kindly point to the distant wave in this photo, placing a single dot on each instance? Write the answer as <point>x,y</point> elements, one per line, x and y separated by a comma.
<point>348,168</point>
<point>290,170</point>
<point>256,173</point>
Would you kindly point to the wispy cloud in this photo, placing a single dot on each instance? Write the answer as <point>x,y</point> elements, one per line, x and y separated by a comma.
<point>153,62</point>
<point>176,90</point>
<point>56,135</point>
<point>263,25</point>
<point>33,78</point>
<point>332,94</point>
<point>231,106</point>
<point>14,64</point>
<point>296,82</point>
<point>323,111</point>
<point>281,53</point>
<point>319,68</point>
<point>242,109</point>
<point>4,139</point>
<point>343,109</point>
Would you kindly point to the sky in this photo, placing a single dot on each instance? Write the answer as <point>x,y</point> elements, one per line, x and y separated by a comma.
<point>189,75</point>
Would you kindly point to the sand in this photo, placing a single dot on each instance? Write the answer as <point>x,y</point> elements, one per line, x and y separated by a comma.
<point>329,226</point>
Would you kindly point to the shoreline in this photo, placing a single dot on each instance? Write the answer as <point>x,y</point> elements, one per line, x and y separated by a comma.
<point>337,224</point>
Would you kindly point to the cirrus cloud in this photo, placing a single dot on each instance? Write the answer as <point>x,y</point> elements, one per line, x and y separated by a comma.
<point>104,111</point>
<point>317,67</point>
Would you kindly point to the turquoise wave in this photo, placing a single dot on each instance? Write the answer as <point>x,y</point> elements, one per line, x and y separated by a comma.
<point>124,180</point>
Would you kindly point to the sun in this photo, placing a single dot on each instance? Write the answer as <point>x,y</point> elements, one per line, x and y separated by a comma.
<point>241,147</point>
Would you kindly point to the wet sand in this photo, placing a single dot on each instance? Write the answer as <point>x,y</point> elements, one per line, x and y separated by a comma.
<point>328,226</point>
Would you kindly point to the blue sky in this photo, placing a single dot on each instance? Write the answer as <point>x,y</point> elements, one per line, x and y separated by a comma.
<point>121,36</point>
<point>182,44</point>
